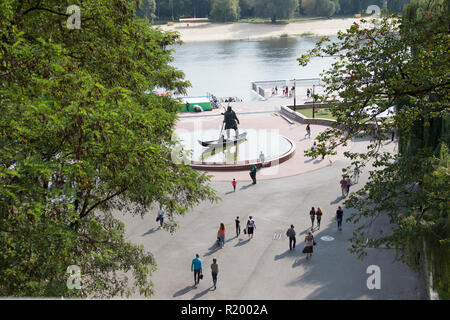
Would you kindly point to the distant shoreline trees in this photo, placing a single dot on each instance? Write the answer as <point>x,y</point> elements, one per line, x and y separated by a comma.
<point>232,10</point>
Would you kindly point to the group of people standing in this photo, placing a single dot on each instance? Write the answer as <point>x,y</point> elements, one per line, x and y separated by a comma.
<point>309,239</point>
<point>249,229</point>
<point>285,91</point>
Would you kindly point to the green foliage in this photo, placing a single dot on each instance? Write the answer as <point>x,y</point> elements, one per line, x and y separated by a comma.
<point>276,9</point>
<point>401,62</point>
<point>146,9</point>
<point>81,136</point>
<point>225,10</point>
<point>325,8</point>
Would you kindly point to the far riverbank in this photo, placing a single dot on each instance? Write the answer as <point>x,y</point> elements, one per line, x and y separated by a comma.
<point>207,31</point>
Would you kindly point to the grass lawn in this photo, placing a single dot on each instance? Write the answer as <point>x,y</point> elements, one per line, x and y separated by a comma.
<point>319,113</point>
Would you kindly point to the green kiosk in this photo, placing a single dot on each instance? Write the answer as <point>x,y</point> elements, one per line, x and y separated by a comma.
<point>203,102</point>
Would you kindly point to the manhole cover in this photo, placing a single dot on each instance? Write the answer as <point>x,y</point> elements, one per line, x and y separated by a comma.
<point>327,238</point>
<point>276,236</point>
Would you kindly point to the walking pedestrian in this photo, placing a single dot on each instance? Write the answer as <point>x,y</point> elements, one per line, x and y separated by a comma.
<point>308,93</point>
<point>276,90</point>
<point>238,226</point>
<point>196,267</point>
<point>160,216</point>
<point>250,227</point>
<point>253,173</point>
<point>309,243</point>
<point>234,183</point>
<point>343,183</point>
<point>318,217</point>
<point>291,234</point>
<point>214,272</point>
<point>393,134</point>
<point>221,235</point>
<point>349,183</point>
<point>356,174</point>
<point>261,157</point>
<point>308,131</point>
<point>339,216</point>
<point>312,214</point>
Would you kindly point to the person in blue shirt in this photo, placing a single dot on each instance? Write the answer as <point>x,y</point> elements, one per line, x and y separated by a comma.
<point>196,267</point>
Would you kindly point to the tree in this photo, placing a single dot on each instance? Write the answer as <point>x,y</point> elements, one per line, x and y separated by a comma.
<point>399,63</point>
<point>82,135</point>
<point>321,7</point>
<point>225,10</point>
<point>276,9</point>
<point>247,8</point>
<point>146,9</point>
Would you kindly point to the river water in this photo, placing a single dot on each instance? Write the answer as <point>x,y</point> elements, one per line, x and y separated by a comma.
<point>227,68</point>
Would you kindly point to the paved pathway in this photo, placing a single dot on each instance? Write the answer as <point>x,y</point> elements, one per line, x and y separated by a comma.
<point>264,268</point>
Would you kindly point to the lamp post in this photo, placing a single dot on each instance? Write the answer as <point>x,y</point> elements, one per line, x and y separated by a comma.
<point>294,94</point>
<point>314,99</point>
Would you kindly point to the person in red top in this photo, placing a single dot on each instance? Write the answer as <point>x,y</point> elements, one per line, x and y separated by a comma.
<point>234,183</point>
<point>221,235</point>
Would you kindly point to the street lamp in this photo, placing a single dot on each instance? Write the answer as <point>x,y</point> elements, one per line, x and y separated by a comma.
<point>294,94</point>
<point>314,98</point>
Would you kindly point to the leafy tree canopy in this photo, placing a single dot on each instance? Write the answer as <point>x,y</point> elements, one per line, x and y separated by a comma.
<point>276,9</point>
<point>83,135</point>
<point>401,63</point>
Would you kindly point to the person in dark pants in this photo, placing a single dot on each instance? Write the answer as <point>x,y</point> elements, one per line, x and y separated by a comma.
<point>161,216</point>
<point>312,214</point>
<point>238,226</point>
<point>318,217</point>
<point>196,267</point>
<point>250,227</point>
<point>339,215</point>
<point>253,174</point>
<point>214,272</point>
<point>234,183</point>
<point>291,234</point>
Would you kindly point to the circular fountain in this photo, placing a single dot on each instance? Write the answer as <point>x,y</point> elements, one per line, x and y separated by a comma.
<point>236,156</point>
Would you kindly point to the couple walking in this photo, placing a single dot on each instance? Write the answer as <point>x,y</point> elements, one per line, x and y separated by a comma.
<point>345,185</point>
<point>309,241</point>
<point>315,214</point>
<point>196,267</point>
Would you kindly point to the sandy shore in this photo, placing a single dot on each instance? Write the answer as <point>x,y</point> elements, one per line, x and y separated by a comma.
<point>206,31</point>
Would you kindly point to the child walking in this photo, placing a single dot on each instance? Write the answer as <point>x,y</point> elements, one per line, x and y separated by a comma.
<point>234,183</point>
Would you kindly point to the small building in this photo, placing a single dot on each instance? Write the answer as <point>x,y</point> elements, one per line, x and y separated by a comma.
<point>203,102</point>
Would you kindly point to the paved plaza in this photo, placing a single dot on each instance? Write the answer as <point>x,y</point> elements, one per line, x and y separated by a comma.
<point>264,267</point>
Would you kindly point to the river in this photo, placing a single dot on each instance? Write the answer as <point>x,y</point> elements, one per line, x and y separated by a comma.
<point>227,68</point>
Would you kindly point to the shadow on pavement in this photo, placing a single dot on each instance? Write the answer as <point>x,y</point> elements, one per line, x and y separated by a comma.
<point>285,254</point>
<point>201,294</point>
<point>150,231</point>
<point>229,192</point>
<point>241,242</point>
<point>337,200</point>
<point>183,291</point>
<point>212,249</point>
<point>247,186</point>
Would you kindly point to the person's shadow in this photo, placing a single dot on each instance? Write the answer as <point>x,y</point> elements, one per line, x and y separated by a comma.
<point>183,291</point>
<point>246,186</point>
<point>337,200</point>
<point>200,294</point>
<point>150,231</point>
<point>229,192</point>
<point>241,242</point>
<point>212,249</point>
<point>283,255</point>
